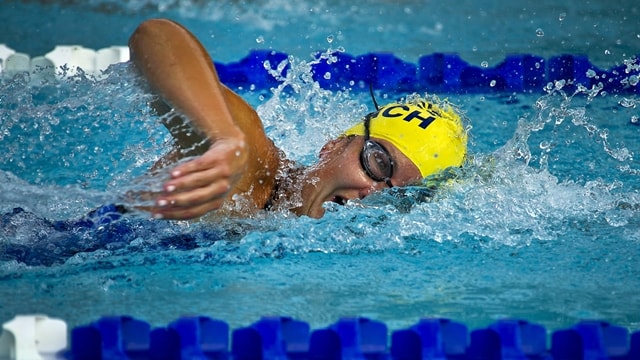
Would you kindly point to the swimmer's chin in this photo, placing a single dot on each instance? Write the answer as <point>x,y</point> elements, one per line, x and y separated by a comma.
<point>315,212</point>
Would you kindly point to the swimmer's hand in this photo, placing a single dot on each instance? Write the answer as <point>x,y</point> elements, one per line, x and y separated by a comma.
<point>202,184</point>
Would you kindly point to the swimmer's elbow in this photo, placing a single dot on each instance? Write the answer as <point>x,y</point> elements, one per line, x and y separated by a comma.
<point>150,27</point>
<point>150,32</point>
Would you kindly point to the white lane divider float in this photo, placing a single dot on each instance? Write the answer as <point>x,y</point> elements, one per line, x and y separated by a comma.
<point>32,337</point>
<point>63,60</point>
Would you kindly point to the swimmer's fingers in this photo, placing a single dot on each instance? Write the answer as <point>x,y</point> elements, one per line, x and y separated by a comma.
<point>201,184</point>
<point>219,176</point>
<point>189,204</point>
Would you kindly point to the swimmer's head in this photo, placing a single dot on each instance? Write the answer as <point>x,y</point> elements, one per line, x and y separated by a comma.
<point>431,136</point>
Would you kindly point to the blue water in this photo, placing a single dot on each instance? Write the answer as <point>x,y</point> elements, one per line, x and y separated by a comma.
<point>543,226</point>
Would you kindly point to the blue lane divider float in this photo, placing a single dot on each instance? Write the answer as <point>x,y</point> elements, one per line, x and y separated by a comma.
<point>437,72</point>
<point>356,338</point>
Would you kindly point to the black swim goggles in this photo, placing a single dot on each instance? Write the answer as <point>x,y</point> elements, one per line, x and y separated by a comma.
<point>375,158</point>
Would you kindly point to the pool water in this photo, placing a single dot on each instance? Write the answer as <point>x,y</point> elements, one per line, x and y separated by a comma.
<point>543,225</point>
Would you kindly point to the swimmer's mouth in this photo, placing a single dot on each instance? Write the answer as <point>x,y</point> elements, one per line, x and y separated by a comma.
<point>339,200</point>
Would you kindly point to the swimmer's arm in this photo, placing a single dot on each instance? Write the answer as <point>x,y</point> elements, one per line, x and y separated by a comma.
<point>179,69</point>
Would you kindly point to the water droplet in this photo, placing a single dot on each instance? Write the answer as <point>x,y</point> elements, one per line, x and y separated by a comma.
<point>238,153</point>
<point>634,80</point>
<point>607,52</point>
<point>327,75</point>
<point>484,64</point>
<point>475,48</point>
<point>591,73</point>
<point>539,32</point>
<point>492,83</point>
<point>628,103</point>
<point>260,39</point>
<point>330,39</point>
<point>562,16</point>
<point>635,120</point>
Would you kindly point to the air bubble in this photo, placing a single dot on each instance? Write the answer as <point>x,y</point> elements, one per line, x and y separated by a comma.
<point>330,39</point>
<point>545,145</point>
<point>260,39</point>
<point>327,75</point>
<point>484,64</point>
<point>562,16</point>
<point>492,83</point>
<point>539,32</point>
<point>591,73</point>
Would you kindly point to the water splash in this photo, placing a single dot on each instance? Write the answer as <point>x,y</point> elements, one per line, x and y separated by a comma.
<point>528,190</point>
<point>318,115</point>
<point>78,134</point>
<point>569,163</point>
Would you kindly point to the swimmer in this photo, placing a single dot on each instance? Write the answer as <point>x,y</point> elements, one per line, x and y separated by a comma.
<point>398,145</point>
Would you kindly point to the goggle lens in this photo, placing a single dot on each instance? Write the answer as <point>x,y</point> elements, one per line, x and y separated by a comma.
<point>375,159</point>
<point>376,162</point>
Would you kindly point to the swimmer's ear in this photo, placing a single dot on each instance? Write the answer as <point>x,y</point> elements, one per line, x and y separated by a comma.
<point>332,145</point>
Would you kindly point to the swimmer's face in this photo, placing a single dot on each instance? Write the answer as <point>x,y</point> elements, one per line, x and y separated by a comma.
<point>342,174</point>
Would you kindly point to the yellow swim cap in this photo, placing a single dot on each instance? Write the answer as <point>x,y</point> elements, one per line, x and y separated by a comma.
<point>433,138</point>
